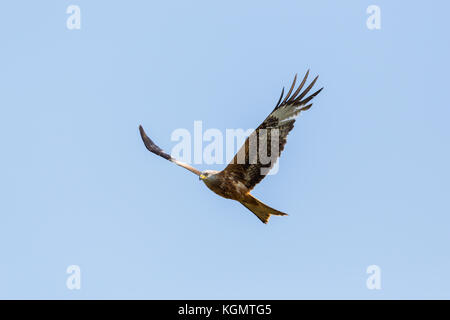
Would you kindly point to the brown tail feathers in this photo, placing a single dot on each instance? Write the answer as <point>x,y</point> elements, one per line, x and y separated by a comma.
<point>262,211</point>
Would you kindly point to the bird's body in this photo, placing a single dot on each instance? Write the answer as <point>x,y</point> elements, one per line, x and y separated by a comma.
<point>249,167</point>
<point>228,188</point>
<point>224,186</point>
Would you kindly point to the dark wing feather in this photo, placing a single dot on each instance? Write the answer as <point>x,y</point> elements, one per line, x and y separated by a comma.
<point>249,172</point>
<point>152,147</point>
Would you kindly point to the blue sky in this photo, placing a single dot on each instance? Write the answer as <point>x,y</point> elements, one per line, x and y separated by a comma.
<point>364,176</point>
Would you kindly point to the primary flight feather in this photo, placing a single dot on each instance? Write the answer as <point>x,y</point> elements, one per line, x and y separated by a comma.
<point>248,167</point>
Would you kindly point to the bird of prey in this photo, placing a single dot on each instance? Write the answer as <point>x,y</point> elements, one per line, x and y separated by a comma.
<point>246,169</point>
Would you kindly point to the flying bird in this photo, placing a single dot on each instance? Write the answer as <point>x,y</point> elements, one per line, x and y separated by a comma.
<point>247,167</point>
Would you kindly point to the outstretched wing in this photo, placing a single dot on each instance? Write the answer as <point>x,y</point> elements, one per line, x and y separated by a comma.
<point>152,147</point>
<point>248,166</point>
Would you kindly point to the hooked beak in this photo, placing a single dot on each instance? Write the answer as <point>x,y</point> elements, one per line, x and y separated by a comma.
<point>202,177</point>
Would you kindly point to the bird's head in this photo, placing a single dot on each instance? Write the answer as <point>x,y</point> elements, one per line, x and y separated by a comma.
<point>206,174</point>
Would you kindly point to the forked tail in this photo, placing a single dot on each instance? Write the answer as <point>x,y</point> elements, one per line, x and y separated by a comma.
<point>262,211</point>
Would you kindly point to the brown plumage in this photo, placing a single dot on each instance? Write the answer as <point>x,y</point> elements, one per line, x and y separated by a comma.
<point>248,167</point>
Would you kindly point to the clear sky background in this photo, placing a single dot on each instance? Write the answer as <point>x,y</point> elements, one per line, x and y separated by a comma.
<point>364,176</point>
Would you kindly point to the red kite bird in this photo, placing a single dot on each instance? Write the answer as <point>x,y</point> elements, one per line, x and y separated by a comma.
<point>247,168</point>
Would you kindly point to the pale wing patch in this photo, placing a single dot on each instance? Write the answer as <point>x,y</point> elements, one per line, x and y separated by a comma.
<point>286,113</point>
